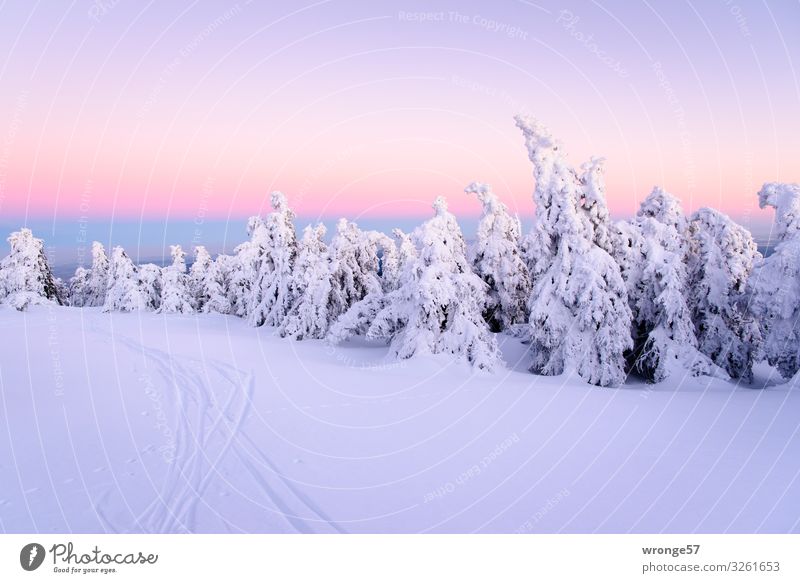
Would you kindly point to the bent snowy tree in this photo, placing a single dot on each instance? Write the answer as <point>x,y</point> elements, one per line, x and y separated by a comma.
<point>775,283</point>
<point>496,258</point>
<point>579,314</point>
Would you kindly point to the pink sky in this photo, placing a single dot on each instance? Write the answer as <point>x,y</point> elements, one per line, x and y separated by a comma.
<point>358,109</point>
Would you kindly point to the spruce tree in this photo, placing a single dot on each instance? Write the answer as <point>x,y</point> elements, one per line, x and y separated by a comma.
<point>496,258</point>
<point>775,282</point>
<point>124,293</point>
<point>579,313</point>
<point>176,296</point>
<point>438,307</point>
<point>720,260</point>
<point>272,297</point>
<point>25,276</point>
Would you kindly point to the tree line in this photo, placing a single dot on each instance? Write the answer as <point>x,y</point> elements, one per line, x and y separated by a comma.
<point>655,295</point>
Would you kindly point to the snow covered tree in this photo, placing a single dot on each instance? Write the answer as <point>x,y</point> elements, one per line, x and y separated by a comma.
<point>652,254</point>
<point>528,247</point>
<point>406,254</point>
<point>272,297</point>
<point>388,259</point>
<point>628,243</point>
<point>216,284</point>
<point>775,282</point>
<point>88,286</point>
<point>354,257</point>
<point>497,260</point>
<point>150,285</point>
<point>25,276</point>
<point>176,297</point>
<point>579,314</point>
<point>664,208</point>
<point>594,203</point>
<point>98,278</point>
<point>357,320</point>
<point>198,275</point>
<point>124,293</point>
<point>310,288</point>
<point>78,290</point>
<point>720,261</point>
<point>246,266</point>
<point>438,307</point>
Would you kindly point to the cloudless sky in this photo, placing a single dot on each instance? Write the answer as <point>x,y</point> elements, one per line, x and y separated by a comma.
<point>131,111</point>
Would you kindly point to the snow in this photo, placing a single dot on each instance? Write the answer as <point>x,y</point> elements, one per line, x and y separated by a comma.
<point>150,409</point>
<point>775,282</point>
<point>438,306</point>
<point>579,317</point>
<point>146,422</point>
<point>496,258</point>
<point>25,276</point>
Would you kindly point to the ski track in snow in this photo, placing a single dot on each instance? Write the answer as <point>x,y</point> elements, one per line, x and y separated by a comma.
<point>194,469</point>
<point>228,467</point>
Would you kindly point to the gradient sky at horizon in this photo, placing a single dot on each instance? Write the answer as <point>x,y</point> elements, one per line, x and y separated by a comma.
<point>120,110</point>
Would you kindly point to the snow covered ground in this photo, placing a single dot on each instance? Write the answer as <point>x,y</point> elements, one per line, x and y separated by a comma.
<point>167,423</point>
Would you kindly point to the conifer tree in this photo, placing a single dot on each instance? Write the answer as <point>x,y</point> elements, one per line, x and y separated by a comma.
<point>311,288</point>
<point>496,258</point>
<point>579,314</point>
<point>216,285</point>
<point>124,293</point>
<point>775,282</point>
<point>176,297</point>
<point>98,278</point>
<point>272,297</point>
<point>657,283</point>
<point>25,276</point>
<point>438,307</point>
<point>198,275</point>
<point>721,257</point>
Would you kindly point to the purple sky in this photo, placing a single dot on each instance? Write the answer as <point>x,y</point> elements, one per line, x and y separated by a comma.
<point>113,109</point>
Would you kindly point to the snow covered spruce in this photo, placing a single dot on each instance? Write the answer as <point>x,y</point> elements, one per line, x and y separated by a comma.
<point>25,276</point>
<point>579,314</point>
<point>438,306</point>
<point>658,295</point>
